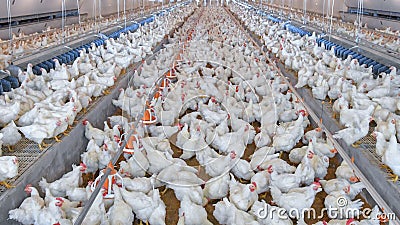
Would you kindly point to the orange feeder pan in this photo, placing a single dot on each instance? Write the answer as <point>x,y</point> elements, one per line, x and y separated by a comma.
<point>149,117</point>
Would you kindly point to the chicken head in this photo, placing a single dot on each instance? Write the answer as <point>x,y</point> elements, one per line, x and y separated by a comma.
<point>28,189</point>
<point>85,122</point>
<point>316,186</point>
<point>83,167</point>
<point>253,186</point>
<point>59,202</point>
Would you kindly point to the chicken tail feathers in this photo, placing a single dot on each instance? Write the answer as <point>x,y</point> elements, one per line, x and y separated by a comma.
<point>43,184</point>
<point>337,136</point>
<point>16,214</point>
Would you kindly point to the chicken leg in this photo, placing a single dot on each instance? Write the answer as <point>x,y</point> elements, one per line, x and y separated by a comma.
<point>163,192</point>
<point>356,144</point>
<point>56,138</point>
<point>141,222</point>
<point>394,177</point>
<point>106,92</point>
<point>10,148</point>
<point>42,146</point>
<point>263,196</point>
<point>7,185</point>
<point>66,133</point>
<point>198,170</point>
<point>384,166</point>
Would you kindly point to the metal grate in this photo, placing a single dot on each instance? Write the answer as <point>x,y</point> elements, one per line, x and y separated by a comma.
<point>27,153</point>
<point>368,143</point>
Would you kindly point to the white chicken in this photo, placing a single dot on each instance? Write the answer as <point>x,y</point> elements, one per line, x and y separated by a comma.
<point>8,169</point>
<point>142,184</point>
<point>136,166</point>
<point>91,157</point>
<point>9,111</point>
<point>11,136</point>
<point>193,214</point>
<point>351,134</point>
<point>120,213</point>
<point>387,128</point>
<point>344,171</point>
<point>143,205</point>
<point>242,170</point>
<point>390,157</point>
<point>262,179</point>
<point>305,169</point>
<point>217,187</point>
<point>297,198</point>
<point>29,208</point>
<point>284,182</point>
<point>67,181</point>
<point>93,133</point>
<point>50,214</point>
<point>227,213</point>
<point>320,165</point>
<point>242,195</point>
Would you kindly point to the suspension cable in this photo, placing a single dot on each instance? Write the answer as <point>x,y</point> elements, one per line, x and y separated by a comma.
<point>330,25</point>
<point>360,12</point>
<point>94,13</point>
<point>63,21</point>
<point>305,11</point>
<point>323,16</point>
<point>11,48</point>
<point>118,9</point>
<point>124,14</point>
<point>79,12</point>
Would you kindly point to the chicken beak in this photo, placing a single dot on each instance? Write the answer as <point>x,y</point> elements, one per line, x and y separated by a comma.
<point>84,167</point>
<point>347,189</point>
<point>354,179</point>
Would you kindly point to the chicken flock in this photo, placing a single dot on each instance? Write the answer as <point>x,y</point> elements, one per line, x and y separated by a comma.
<point>45,106</point>
<point>385,38</point>
<point>357,97</point>
<point>225,98</point>
<point>25,44</point>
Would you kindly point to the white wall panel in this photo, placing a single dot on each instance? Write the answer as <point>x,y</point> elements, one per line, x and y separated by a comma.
<point>373,22</point>
<point>92,7</point>
<point>32,7</point>
<point>37,27</point>
<point>314,5</point>
<point>384,5</point>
